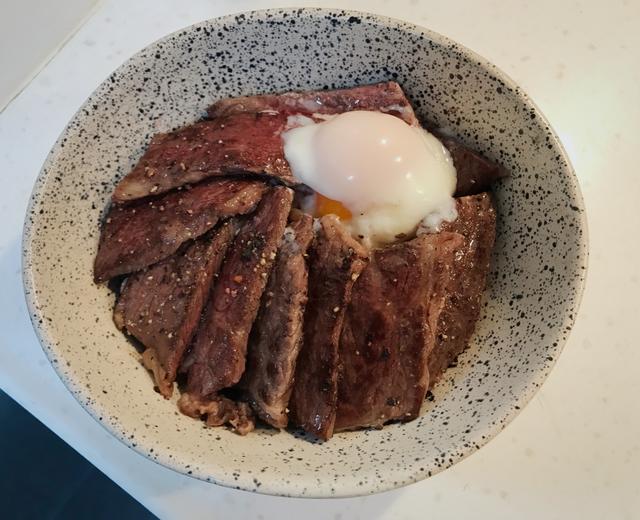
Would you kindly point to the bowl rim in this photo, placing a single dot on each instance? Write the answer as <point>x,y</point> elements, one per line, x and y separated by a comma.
<point>278,487</point>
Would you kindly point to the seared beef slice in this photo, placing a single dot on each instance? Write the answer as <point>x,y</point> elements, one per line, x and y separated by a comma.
<point>389,330</point>
<point>161,305</point>
<point>220,344</point>
<point>335,262</point>
<point>476,222</point>
<point>385,97</point>
<point>141,233</point>
<point>277,333</point>
<point>474,172</point>
<point>241,143</point>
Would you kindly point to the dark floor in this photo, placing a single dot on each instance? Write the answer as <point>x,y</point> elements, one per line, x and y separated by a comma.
<point>41,477</point>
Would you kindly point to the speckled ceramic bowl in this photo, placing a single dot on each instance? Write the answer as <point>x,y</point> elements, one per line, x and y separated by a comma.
<point>534,289</point>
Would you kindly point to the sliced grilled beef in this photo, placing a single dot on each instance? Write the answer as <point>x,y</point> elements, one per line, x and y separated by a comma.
<point>389,330</point>
<point>476,222</point>
<point>335,262</point>
<point>141,233</point>
<point>244,137</point>
<point>217,360</point>
<point>161,305</point>
<point>277,333</point>
<point>219,411</point>
<point>475,173</point>
<point>382,97</point>
<point>241,143</point>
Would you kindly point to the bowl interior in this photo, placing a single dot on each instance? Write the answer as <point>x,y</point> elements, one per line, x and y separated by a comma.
<point>534,287</point>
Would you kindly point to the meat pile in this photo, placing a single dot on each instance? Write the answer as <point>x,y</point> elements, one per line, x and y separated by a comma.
<point>265,312</point>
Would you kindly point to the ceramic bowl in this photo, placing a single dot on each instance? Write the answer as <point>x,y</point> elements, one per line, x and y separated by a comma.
<point>533,291</point>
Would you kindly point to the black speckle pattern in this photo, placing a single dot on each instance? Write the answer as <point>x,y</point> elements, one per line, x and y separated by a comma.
<point>534,289</point>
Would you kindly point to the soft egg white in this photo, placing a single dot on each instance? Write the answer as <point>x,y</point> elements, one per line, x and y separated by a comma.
<point>388,174</point>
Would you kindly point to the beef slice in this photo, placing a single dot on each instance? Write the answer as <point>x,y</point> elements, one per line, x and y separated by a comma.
<point>476,222</point>
<point>161,305</point>
<point>219,411</point>
<point>276,337</point>
<point>240,143</point>
<point>475,173</point>
<point>336,261</point>
<point>218,356</point>
<point>389,331</point>
<point>386,97</point>
<point>141,233</point>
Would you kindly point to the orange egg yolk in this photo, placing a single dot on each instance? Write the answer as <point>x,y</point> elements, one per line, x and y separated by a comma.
<point>326,206</point>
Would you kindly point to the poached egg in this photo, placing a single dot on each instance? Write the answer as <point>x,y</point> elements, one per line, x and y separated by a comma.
<point>380,175</point>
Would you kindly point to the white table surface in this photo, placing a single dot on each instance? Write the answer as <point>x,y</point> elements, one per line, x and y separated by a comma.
<point>54,25</point>
<point>574,452</point>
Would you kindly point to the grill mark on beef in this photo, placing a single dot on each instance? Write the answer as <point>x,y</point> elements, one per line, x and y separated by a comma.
<point>276,337</point>
<point>161,305</point>
<point>335,262</point>
<point>217,360</point>
<point>476,222</point>
<point>389,330</point>
<point>240,143</point>
<point>141,233</point>
<point>385,97</point>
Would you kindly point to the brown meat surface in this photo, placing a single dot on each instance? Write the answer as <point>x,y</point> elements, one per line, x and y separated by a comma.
<point>335,262</point>
<point>475,173</point>
<point>389,331</point>
<point>218,411</point>
<point>161,305</point>
<point>141,233</point>
<point>240,143</point>
<point>218,357</point>
<point>476,222</point>
<point>277,332</point>
<point>385,97</point>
